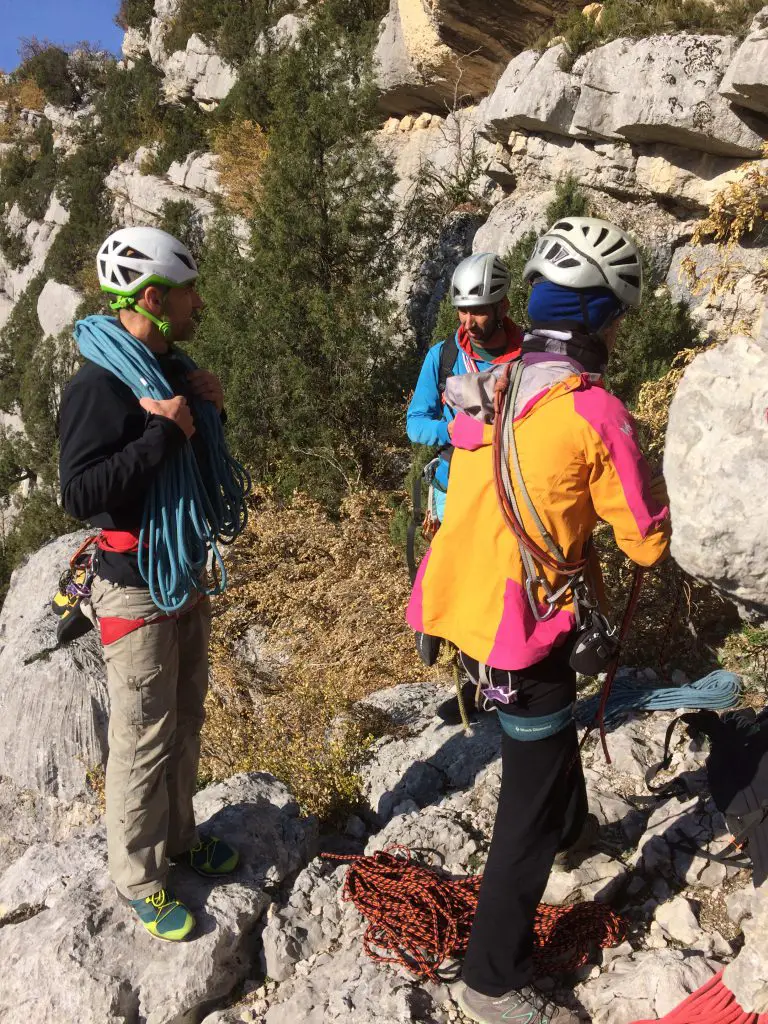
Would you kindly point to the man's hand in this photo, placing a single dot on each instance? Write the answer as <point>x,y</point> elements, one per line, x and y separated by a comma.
<point>175,409</point>
<point>450,428</point>
<point>207,385</point>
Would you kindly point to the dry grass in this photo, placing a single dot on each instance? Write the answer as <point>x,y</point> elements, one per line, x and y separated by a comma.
<point>242,148</point>
<point>331,594</point>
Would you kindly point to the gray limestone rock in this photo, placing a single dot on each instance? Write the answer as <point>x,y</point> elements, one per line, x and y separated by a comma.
<point>746,80</point>
<point>714,463</point>
<point>534,94</point>
<point>643,986</point>
<point>665,89</point>
<point>747,976</point>
<point>73,952</point>
<point>53,702</point>
<point>56,307</point>
<point>511,219</point>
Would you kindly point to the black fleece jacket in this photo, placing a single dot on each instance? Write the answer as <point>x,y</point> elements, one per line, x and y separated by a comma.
<point>111,451</point>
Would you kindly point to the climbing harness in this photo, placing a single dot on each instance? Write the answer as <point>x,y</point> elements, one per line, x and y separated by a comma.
<point>73,593</point>
<point>192,507</point>
<point>713,1003</point>
<point>419,918</point>
<point>597,646</point>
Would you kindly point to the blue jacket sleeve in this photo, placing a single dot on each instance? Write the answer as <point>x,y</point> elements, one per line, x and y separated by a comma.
<point>425,420</point>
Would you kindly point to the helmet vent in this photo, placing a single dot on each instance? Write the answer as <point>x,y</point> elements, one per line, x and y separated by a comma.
<point>602,236</point>
<point>570,262</point>
<point>614,248</point>
<point>563,225</point>
<point>632,279</point>
<point>185,260</point>
<point>625,261</point>
<point>133,254</point>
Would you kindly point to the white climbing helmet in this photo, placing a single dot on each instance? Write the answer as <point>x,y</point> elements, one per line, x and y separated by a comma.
<point>480,280</point>
<point>132,258</point>
<point>586,252</point>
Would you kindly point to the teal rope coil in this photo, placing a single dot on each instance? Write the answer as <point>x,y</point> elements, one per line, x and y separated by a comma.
<point>192,507</point>
<point>718,690</point>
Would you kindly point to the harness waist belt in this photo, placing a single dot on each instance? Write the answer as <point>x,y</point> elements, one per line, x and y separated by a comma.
<point>529,729</point>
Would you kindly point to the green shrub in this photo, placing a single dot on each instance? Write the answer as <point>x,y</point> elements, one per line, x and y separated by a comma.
<point>183,131</point>
<point>447,320</point>
<point>48,66</point>
<point>180,219</point>
<point>649,339</point>
<point>234,26</point>
<point>637,18</point>
<point>13,246</point>
<point>135,14</point>
<point>29,173</point>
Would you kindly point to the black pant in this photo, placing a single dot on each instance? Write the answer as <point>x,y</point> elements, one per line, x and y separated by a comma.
<point>542,807</point>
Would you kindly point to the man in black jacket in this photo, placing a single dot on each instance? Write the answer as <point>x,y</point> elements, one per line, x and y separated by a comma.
<point>112,448</point>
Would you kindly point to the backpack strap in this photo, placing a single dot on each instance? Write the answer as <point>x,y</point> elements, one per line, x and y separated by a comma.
<point>674,785</point>
<point>413,526</point>
<point>448,356</point>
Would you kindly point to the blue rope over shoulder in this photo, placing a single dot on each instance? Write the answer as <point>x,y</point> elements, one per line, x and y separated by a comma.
<point>718,690</point>
<point>191,507</point>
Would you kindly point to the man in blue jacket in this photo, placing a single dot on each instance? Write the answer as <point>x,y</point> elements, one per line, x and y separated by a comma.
<point>485,337</point>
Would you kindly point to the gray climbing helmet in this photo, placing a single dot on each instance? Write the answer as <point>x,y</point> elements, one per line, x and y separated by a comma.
<point>586,252</point>
<point>480,280</point>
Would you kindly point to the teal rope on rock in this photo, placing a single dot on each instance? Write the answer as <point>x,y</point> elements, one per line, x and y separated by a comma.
<point>192,507</point>
<point>716,691</point>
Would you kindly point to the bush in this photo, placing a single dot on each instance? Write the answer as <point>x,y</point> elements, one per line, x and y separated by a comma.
<point>48,66</point>
<point>183,131</point>
<point>637,18</point>
<point>242,148</point>
<point>233,26</point>
<point>135,14</point>
<point>13,246</point>
<point>40,519</point>
<point>29,173</point>
<point>180,218</point>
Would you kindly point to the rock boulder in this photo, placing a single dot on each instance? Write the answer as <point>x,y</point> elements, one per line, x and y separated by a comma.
<point>746,80</point>
<point>715,464</point>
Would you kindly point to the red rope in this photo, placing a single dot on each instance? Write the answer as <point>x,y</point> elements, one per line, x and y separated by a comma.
<point>712,1004</point>
<point>418,917</point>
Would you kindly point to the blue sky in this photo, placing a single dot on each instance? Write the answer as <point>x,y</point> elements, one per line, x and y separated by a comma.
<point>60,21</point>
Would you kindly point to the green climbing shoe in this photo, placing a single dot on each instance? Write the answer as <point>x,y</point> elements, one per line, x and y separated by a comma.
<point>210,857</point>
<point>164,917</point>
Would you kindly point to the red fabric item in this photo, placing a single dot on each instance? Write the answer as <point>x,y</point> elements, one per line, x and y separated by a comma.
<point>712,1004</point>
<point>122,541</point>
<point>113,629</point>
<point>515,337</point>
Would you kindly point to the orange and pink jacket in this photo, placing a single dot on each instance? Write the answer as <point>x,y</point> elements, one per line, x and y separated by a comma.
<point>581,463</point>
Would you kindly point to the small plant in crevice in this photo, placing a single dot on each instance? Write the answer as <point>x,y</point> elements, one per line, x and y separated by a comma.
<point>639,18</point>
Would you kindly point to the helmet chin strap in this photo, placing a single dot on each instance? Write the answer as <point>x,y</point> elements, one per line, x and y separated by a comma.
<point>128,302</point>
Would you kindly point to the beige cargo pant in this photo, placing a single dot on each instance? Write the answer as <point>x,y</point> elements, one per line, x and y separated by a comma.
<point>157,677</point>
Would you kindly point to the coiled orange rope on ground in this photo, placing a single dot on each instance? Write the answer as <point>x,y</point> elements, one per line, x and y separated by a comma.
<point>418,917</point>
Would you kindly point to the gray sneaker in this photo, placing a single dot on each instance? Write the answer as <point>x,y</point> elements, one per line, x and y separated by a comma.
<point>522,1006</point>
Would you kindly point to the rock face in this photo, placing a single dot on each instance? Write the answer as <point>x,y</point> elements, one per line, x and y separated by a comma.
<point>53,703</point>
<point>198,72</point>
<point>38,237</point>
<point>431,53</point>
<point>746,976</point>
<point>139,198</point>
<point>56,307</point>
<point>715,456</point>
<point>665,89</point>
<point>745,81</point>
<point>79,954</point>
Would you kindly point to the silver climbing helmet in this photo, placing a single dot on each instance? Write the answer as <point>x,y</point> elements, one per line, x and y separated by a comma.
<point>480,280</point>
<point>586,252</point>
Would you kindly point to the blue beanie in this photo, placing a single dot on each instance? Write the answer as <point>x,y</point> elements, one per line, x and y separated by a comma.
<point>550,304</point>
